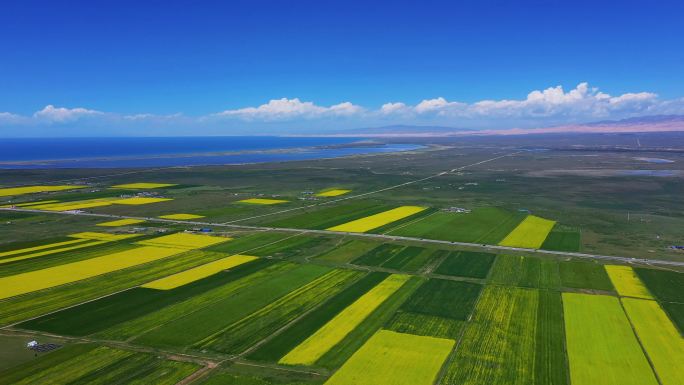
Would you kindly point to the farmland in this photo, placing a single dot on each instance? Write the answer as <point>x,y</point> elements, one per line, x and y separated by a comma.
<point>196,275</point>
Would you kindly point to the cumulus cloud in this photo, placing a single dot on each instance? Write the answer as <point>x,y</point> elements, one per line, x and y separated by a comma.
<point>285,109</point>
<point>544,107</point>
<point>60,114</point>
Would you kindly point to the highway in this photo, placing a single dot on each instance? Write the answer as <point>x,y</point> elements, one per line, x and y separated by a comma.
<point>385,237</point>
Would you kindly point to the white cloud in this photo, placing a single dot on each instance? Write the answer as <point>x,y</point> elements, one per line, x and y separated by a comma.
<point>60,114</point>
<point>285,109</point>
<point>10,118</point>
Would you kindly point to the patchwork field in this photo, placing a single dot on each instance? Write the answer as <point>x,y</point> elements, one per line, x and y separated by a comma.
<point>333,193</point>
<point>181,216</point>
<point>530,233</point>
<point>12,191</point>
<point>602,347</point>
<point>395,358</point>
<point>626,282</point>
<point>330,334</point>
<point>481,225</point>
<point>378,220</point>
<point>121,222</point>
<point>262,201</point>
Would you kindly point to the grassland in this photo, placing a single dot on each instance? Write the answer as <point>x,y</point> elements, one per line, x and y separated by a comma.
<point>395,358</point>
<point>335,330</point>
<point>601,344</point>
<point>466,264</point>
<point>498,346</point>
<point>363,225</point>
<point>530,233</point>
<point>626,282</point>
<point>659,337</point>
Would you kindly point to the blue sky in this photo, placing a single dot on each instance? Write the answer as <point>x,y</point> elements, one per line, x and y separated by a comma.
<point>151,67</point>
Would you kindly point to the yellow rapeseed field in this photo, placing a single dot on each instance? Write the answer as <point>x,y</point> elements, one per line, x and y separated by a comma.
<point>659,337</point>
<point>12,191</point>
<point>391,358</point>
<point>374,221</point>
<point>28,204</point>
<point>184,240</point>
<point>143,185</point>
<point>530,233</point>
<point>330,334</point>
<point>139,201</point>
<point>626,282</point>
<point>121,222</point>
<point>199,272</point>
<point>75,205</point>
<point>42,247</point>
<point>181,216</point>
<point>262,201</point>
<point>333,193</point>
<point>102,236</point>
<point>71,272</point>
<point>89,243</point>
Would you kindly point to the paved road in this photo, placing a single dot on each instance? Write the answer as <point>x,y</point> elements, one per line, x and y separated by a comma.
<point>486,247</point>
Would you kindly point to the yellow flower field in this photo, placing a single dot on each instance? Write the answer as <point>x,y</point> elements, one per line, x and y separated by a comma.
<point>374,221</point>
<point>390,358</point>
<point>42,247</point>
<point>330,334</point>
<point>53,251</point>
<point>102,236</point>
<point>659,337</point>
<point>601,345</point>
<point>28,204</point>
<point>71,272</point>
<point>626,282</point>
<point>139,201</point>
<point>12,191</point>
<point>530,233</point>
<point>75,205</point>
<point>199,272</point>
<point>181,216</point>
<point>333,193</point>
<point>184,240</point>
<point>143,185</point>
<point>262,201</point>
<point>120,222</point>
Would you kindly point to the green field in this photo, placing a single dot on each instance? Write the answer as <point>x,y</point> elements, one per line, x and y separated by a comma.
<point>498,346</point>
<point>89,364</point>
<point>562,238</point>
<point>482,225</point>
<point>584,275</point>
<point>466,264</point>
<point>525,272</point>
<point>602,347</point>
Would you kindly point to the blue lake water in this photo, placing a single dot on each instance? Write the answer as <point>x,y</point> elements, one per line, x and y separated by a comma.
<point>178,151</point>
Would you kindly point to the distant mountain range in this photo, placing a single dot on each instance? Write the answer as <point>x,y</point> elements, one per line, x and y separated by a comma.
<point>654,123</point>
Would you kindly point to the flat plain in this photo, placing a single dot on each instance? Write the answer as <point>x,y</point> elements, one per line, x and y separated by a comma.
<point>344,271</point>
